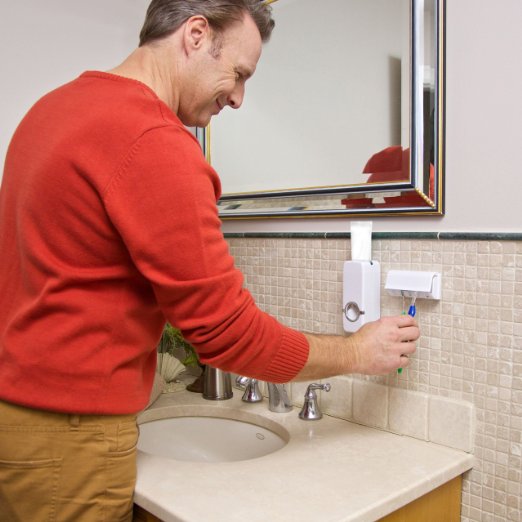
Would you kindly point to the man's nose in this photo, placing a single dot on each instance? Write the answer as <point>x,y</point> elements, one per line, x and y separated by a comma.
<point>236,96</point>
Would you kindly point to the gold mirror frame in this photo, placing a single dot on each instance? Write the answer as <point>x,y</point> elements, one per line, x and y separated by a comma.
<point>404,198</point>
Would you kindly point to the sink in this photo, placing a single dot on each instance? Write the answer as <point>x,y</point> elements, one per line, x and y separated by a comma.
<point>209,439</point>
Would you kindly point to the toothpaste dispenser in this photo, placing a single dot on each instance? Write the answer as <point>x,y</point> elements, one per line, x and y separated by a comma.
<point>361,293</point>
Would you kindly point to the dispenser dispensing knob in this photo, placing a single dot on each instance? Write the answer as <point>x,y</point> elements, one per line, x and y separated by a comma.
<point>352,312</point>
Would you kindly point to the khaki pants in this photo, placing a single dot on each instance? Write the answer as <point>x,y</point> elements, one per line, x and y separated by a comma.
<point>66,468</point>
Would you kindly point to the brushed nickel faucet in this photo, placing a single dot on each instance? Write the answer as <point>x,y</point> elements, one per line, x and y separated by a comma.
<point>310,410</point>
<point>252,392</point>
<point>278,400</point>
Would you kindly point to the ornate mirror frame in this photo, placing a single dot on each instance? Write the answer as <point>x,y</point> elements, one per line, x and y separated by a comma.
<point>421,194</point>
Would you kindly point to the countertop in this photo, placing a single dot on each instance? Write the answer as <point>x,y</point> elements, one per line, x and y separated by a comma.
<point>331,470</point>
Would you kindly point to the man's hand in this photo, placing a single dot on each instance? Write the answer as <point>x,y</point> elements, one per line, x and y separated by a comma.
<point>382,346</point>
<point>378,348</point>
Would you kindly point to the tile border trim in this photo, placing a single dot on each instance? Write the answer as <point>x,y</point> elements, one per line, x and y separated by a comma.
<point>449,236</point>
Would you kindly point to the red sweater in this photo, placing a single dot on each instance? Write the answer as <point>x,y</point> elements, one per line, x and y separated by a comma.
<point>109,227</point>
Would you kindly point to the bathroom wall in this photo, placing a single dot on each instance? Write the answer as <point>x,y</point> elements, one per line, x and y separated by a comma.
<point>470,351</point>
<point>44,44</point>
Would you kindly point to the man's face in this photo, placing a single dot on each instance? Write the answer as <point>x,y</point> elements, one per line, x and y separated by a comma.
<point>222,68</point>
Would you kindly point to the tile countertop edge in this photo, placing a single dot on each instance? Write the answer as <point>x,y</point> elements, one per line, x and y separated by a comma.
<point>157,483</point>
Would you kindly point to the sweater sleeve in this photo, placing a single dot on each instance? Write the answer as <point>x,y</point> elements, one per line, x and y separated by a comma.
<point>162,201</point>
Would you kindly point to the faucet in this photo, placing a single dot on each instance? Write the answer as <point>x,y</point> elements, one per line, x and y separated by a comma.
<point>241,381</point>
<point>217,385</point>
<point>310,410</point>
<point>278,400</point>
<point>252,392</point>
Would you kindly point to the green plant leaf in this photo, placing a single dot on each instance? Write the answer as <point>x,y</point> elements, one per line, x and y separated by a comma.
<point>172,340</point>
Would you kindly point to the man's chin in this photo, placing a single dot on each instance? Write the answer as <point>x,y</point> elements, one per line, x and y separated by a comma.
<point>199,122</point>
<point>195,118</point>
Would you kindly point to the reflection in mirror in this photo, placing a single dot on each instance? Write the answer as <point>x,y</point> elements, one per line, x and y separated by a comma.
<point>344,114</point>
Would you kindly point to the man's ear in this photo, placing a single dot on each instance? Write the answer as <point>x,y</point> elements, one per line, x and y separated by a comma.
<point>197,31</point>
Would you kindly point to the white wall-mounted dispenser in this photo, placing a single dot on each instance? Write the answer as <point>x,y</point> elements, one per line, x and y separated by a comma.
<point>361,280</point>
<point>361,293</point>
<point>414,284</point>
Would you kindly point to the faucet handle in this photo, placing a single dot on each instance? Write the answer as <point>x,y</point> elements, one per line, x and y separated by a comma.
<point>310,410</point>
<point>241,381</point>
<point>252,393</point>
<point>310,391</point>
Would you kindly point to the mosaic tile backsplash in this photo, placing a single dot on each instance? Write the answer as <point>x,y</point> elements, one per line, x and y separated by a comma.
<point>469,354</point>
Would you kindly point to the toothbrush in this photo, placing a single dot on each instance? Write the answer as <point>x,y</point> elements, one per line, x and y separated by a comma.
<point>412,310</point>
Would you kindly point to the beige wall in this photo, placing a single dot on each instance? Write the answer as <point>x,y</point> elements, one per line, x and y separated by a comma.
<point>44,44</point>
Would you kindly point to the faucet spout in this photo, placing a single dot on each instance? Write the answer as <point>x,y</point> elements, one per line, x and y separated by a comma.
<point>278,400</point>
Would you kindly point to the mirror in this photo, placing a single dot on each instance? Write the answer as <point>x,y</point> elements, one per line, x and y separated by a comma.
<point>343,116</point>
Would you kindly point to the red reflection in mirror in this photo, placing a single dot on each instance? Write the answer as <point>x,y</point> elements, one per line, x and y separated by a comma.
<point>387,165</point>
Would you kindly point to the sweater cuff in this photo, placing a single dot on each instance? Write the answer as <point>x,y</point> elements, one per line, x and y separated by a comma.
<point>290,358</point>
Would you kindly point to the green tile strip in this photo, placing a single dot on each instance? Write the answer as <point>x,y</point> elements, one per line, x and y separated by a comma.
<point>449,236</point>
<point>482,236</point>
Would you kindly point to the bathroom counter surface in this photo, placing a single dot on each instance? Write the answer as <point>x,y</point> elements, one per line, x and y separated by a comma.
<point>330,470</point>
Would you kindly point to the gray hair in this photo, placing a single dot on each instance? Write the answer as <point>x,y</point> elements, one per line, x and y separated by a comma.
<point>166,16</point>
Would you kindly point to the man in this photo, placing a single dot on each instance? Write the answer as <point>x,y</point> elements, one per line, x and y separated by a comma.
<point>108,228</point>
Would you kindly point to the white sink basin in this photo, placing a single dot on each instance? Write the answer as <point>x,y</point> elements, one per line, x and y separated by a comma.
<point>208,439</point>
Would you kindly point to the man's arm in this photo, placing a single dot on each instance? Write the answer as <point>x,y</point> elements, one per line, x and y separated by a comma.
<point>378,348</point>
